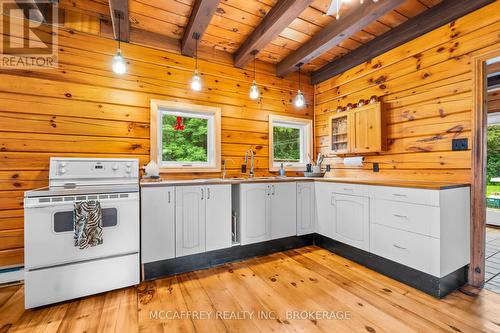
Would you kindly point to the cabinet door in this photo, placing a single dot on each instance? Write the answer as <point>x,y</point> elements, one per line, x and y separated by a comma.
<point>255,213</point>
<point>325,222</point>
<point>283,210</point>
<point>189,220</point>
<point>218,217</point>
<point>157,223</point>
<point>352,220</point>
<point>306,206</point>
<point>367,129</point>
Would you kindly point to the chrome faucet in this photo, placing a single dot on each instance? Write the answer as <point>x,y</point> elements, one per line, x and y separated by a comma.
<point>251,161</point>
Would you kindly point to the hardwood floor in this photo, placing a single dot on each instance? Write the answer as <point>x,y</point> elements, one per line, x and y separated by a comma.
<point>303,290</point>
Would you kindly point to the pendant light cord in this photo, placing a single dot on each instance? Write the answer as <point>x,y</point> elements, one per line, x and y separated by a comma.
<point>299,77</point>
<point>119,30</point>
<point>254,71</point>
<point>196,52</point>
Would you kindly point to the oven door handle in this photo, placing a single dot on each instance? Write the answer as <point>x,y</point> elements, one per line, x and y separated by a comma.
<point>36,204</point>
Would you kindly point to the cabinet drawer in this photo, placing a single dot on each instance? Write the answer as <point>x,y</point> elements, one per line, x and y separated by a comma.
<point>409,249</point>
<point>349,189</point>
<point>404,194</point>
<point>406,216</point>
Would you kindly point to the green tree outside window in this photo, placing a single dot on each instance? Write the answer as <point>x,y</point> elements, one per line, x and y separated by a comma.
<point>188,145</point>
<point>286,141</point>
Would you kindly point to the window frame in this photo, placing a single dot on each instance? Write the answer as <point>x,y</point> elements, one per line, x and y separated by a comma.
<point>213,114</point>
<point>305,125</point>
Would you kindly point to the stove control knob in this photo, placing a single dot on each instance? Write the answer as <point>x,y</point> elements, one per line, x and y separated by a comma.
<point>129,170</point>
<point>62,164</point>
<point>62,171</point>
<point>115,167</point>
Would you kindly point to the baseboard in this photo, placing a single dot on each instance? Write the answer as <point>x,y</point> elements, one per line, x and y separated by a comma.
<point>10,275</point>
<point>204,260</point>
<point>437,287</point>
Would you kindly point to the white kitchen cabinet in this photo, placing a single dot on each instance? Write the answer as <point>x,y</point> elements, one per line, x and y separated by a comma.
<point>428,230</point>
<point>325,221</point>
<point>218,217</point>
<point>255,212</point>
<point>283,210</point>
<point>306,208</point>
<point>157,223</point>
<point>190,220</point>
<point>352,221</point>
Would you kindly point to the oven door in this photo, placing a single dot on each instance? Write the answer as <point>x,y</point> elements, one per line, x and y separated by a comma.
<point>48,229</point>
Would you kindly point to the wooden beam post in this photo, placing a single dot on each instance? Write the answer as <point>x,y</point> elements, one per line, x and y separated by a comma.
<point>120,19</point>
<point>279,17</point>
<point>201,15</point>
<point>35,11</point>
<point>334,33</point>
<point>439,15</point>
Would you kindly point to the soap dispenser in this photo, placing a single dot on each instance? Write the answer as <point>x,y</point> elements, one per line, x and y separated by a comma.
<point>282,170</point>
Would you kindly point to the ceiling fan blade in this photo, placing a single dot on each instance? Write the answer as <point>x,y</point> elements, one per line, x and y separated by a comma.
<point>332,10</point>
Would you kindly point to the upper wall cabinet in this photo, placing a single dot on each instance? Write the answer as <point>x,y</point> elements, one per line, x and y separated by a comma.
<point>358,131</point>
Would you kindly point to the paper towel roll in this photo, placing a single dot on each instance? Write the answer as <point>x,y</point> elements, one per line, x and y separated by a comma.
<point>354,161</point>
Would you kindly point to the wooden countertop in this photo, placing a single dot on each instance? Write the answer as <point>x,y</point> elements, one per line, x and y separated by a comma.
<point>427,185</point>
<point>394,183</point>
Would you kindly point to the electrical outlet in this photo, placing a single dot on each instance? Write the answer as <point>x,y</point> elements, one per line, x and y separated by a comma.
<point>459,144</point>
<point>375,167</point>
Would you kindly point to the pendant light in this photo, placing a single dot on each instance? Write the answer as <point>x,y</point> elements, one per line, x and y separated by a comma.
<point>299,101</point>
<point>118,64</point>
<point>196,79</point>
<point>254,89</point>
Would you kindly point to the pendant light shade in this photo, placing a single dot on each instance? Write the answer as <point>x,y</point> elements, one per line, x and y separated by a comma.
<point>118,64</point>
<point>196,83</point>
<point>254,89</point>
<point>299,101</point>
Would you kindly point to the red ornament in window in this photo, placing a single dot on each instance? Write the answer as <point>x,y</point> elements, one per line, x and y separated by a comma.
<point>179,126</point>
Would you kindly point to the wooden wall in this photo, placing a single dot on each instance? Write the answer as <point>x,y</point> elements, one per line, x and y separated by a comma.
<point>83,109</point>
<point>426,85</point>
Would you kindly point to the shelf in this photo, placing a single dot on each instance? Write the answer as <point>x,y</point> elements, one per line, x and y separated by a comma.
<point>338,142</point>
<point>345,133</point>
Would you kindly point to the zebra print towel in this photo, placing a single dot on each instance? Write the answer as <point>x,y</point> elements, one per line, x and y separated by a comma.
<point>87,224</point>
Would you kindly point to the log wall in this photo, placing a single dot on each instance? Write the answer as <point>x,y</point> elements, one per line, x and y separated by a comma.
<point>83,109</point>
<point>426,86</point>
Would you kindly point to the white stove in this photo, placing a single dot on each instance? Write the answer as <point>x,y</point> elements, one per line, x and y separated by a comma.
<point>56,270</point>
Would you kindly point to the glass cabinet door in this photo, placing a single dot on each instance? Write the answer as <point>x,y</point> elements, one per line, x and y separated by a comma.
<point>339,133</point>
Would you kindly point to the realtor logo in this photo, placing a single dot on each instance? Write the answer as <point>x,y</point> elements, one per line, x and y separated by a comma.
<point>29,34</point>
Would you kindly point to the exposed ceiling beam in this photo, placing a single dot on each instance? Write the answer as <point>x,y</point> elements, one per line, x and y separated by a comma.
<point>35,10</point>
<point>335,32</point>
<point>279,17</point>
<point>439,15</point>
<point>120,19</point>
<point>202,13</point>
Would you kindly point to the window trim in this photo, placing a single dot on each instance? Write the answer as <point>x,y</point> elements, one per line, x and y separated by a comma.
<point>157,109</point>
<point>307,145</point>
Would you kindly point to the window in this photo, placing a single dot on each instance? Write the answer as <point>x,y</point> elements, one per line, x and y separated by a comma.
<point>185,137</point>
<point>290,142</point>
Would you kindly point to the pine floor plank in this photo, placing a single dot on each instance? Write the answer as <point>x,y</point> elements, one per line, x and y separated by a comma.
<point>305,279</point>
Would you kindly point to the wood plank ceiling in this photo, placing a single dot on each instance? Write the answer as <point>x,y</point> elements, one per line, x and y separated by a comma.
<point>234,20</point>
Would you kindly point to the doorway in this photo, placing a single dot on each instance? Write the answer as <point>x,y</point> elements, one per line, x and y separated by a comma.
<point>485,194</point>
<point>492,249</point>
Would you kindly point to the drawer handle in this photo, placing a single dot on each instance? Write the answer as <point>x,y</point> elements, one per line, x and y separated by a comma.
<point>399,247</point>
<point>400,195</point>
<point>400,216</point>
